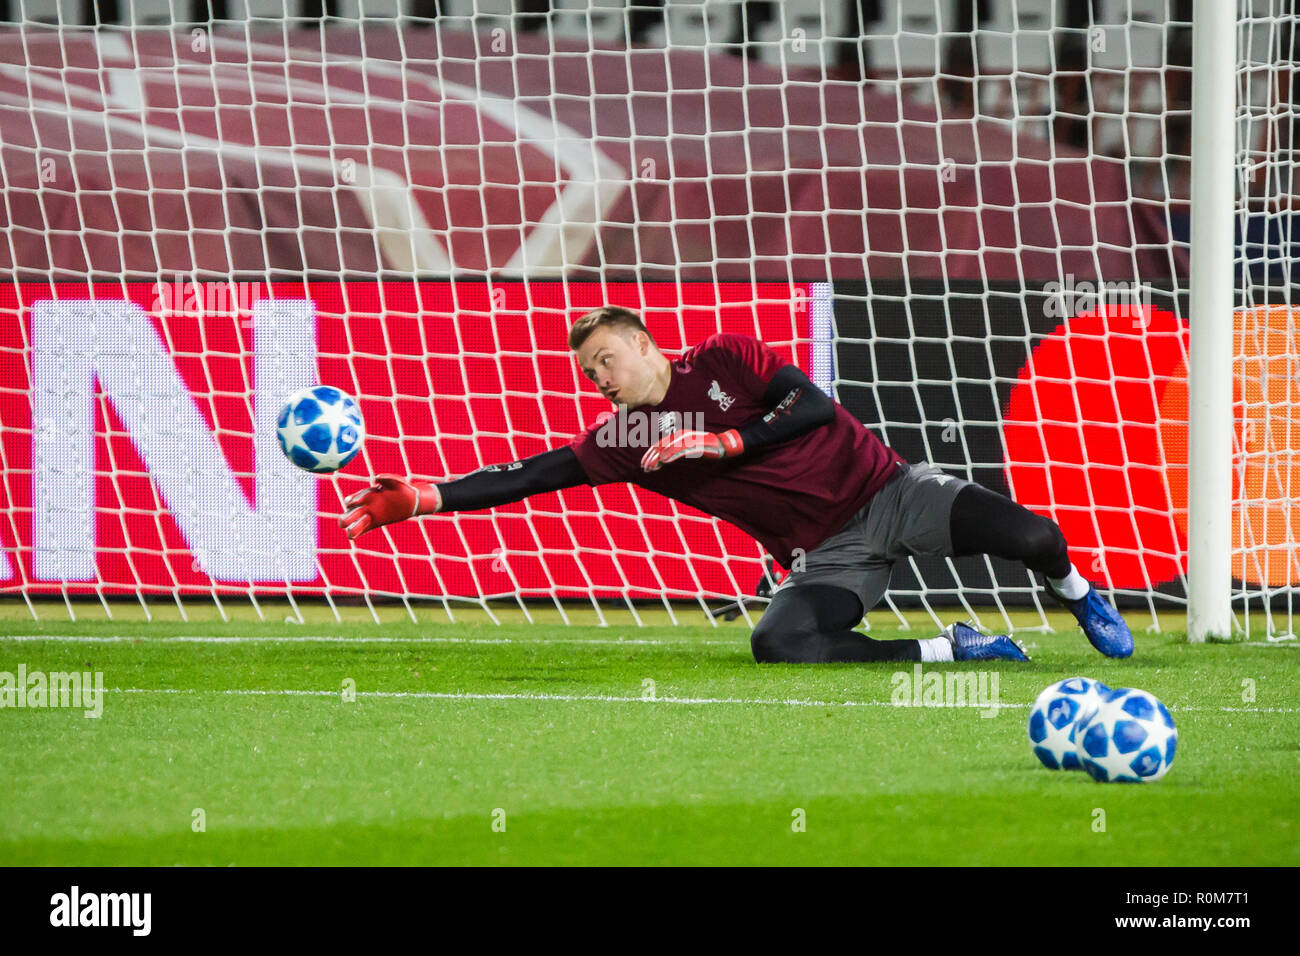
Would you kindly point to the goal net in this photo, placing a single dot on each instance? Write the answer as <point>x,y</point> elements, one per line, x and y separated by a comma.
<point>971,226</point>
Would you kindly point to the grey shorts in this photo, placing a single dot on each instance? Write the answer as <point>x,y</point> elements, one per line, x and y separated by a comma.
<point>909,516</point>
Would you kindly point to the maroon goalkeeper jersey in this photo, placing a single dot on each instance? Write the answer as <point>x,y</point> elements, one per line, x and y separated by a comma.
<point>795,494</point>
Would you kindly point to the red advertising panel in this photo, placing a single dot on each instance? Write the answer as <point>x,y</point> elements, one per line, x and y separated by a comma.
<point>136,428</point>
<point>1096,435</point>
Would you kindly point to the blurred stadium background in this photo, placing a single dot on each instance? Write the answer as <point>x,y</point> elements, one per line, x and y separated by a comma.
<point>970,222</point>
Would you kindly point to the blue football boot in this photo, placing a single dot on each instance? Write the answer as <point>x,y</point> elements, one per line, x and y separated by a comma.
<point>969,644</point>
<point>1102,624</point>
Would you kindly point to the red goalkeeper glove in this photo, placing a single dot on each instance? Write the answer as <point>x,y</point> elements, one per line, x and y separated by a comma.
<point>389,499</point>
<point>726,444</point>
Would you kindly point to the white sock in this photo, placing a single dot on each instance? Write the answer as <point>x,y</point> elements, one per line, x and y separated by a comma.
<point>935,649</point>
<point>1071,587</point>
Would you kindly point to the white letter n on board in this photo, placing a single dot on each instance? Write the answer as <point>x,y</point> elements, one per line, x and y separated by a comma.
<point>75,342</point>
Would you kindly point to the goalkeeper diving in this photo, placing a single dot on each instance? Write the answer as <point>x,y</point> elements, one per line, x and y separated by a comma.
<point>779,459</point>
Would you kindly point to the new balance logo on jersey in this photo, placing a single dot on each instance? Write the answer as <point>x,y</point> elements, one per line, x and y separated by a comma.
<point>718,395</point>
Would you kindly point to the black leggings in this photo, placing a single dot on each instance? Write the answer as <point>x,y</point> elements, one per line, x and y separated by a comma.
<point>814,622</point>
<point>985,522</point>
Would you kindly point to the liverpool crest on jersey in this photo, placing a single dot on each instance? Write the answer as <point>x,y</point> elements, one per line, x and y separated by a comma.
<point>718,395</point>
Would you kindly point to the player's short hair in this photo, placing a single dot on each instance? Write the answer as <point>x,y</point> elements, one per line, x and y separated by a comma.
<point>609,317</point>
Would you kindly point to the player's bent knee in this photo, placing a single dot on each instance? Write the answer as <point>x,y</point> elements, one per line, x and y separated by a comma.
<point>1050,539</point>
<point>1045,545</point>
<point>773,645</point>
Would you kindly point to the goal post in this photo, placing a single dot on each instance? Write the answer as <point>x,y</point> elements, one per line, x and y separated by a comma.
<point>1209,407</point>
<point>1024,240</point>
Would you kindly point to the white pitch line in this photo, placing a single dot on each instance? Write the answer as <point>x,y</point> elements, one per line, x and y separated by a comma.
<point>609,699</point>
<point>335,639</point>
<point>563,698</point>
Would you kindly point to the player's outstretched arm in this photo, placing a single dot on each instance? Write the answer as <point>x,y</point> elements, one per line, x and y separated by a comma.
<point>392,498</point>
<point>795,406</point>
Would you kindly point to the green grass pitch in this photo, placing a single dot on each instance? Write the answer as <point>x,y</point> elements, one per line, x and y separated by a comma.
<point>475,743</point>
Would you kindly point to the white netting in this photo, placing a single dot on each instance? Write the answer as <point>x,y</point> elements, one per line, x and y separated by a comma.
<point>1267,367</point>
<point>974,231</point>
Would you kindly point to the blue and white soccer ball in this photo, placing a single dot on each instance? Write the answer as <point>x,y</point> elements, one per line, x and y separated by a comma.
<point>1052,720</point>
<point>321,428</point>
<point>1129,738</point>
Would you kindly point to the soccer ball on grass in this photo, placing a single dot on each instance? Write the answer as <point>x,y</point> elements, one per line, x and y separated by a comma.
<point>1054,716</point>
<point>1128,738</point>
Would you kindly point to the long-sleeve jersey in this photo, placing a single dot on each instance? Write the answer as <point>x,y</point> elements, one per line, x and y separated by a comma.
<point>807,467</point>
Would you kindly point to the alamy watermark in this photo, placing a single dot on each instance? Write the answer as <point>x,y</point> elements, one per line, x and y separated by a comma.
<point>920,688</point>
<point>76,908</point>
<point>198,299</point>
<point>39,689</point>
<point>638,429</point>
<point>1070,297</point>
